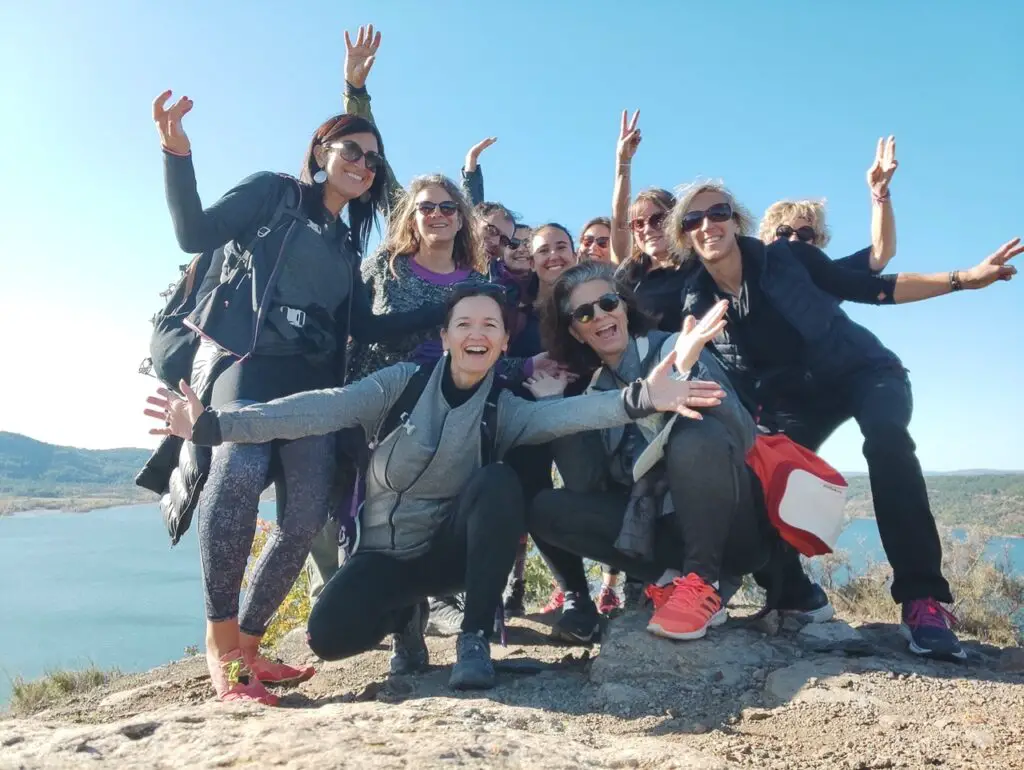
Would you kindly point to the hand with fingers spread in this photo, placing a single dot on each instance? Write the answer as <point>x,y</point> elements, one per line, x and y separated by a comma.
<point>473,156</point>
<point>629,138</point>
<point>360,55</point>
<point>544,385</point>
<point>994,267</point>
<point>882,170</point>
<point>542,362</point>
<point>696,334</point>
<point>178,414</point>
<point>669,394</point>
<point>168,123</point>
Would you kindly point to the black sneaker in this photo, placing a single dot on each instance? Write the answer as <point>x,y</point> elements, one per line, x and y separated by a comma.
<point>445,615</point>
<point>633,597</point>
<point>408,647</point>
<point>812,606</point>
<point>514,607</point>
<point>473,669</point>
<point>580,622</point>
<point>927,628</point>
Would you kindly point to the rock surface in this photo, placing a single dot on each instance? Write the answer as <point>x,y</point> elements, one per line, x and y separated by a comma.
<point>831,696</point>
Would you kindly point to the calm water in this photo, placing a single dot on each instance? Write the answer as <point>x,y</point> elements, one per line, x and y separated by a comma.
<point>105,587</point>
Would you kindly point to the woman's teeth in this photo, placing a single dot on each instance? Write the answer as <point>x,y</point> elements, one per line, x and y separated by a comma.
<point>356,177</point>
<point>476,350</point>
<point>711,240</point>
<point>606,332</point>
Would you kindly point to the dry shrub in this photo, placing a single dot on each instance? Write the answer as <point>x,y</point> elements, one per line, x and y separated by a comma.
<point>54,687</point>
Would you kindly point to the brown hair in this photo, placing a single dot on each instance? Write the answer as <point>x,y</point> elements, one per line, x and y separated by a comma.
<point>403,240</point>
<point>638,264</point>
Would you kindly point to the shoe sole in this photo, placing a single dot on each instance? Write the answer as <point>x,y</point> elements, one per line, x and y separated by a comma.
<point>561,635</point>
<point>714,621</point>
<point>951,656</point>
<point>303,677</point>
<point>820,615</point>
<point>472,684</point>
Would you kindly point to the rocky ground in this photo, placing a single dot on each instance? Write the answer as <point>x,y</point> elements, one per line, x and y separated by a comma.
<point>763,696</point>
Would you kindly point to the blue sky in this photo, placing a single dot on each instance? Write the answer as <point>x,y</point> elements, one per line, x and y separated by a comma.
<point>779,99</point>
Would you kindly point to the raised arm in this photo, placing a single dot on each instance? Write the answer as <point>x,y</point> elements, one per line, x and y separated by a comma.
<point>472,175</point>
<point>883,220</point>
<point>625,148</point>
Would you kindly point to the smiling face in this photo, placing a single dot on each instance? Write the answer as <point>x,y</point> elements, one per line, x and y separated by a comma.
<point>552,253</point>
<point>435,227</point>
<point>474,337</point>
<point>650,238</point>
<point>518,260</point>
<point>607,332</point>
<point>348,179</point>
<point>591,248</point>
<point>713,241</point>
<point>495,225</point>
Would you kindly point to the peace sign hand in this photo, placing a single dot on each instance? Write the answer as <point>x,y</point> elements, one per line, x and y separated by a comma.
<point>993,267</point>
<point>360,56</point>
<point>629,138</point>
<point>885,165</point>
<point>168,123</point>
<point>177,414</point>
<point>696,334</point>
<point>669,394</point>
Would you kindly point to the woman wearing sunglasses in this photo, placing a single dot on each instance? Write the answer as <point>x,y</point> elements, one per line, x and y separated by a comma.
<point>640,245</point>
<point>795,353</point>
<point>434,520</point>
<point>595,240</point>
<point>684,521</point>
<point>805,220</point>
<point>313,302</point>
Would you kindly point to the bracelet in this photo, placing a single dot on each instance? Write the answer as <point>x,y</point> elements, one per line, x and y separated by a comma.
<point>954,280</point>
<point>880,198</point>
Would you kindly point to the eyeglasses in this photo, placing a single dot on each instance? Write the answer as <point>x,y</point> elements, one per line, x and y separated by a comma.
<point>805,233</point>
<point>504,240</point>
<point>352,152</point>
<point>448,208</point>
<point>600,240</point>
<point>585,313</point>
<point>656,221</point>
<point>720,212</point>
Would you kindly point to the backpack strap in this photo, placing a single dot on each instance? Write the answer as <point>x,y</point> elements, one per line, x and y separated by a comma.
<point>489,427</point>
<point>288,208</point>
<point>398,413</point>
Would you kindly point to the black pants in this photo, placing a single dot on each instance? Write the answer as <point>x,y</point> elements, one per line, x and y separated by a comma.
<point>881,402</point>
<point>718,526</point>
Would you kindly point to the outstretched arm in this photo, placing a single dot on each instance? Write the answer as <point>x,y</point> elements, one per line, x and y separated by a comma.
<point>625,149</point>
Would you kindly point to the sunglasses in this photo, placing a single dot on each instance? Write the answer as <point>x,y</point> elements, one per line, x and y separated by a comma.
<point>805,233</point>
<point>590,240</point>
<point>504,240</point>
<point>654,220</point>
<point>352,152</point>
<point>720,212</point>
<point>448,208</point>
<point>586,312</point>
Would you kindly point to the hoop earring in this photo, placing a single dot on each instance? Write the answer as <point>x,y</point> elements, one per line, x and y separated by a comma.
<point>320,176</point>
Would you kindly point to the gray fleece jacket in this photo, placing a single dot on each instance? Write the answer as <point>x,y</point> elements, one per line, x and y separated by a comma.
<point>420,468</point>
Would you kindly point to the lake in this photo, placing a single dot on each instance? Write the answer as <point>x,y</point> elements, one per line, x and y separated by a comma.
<point>106,587</point>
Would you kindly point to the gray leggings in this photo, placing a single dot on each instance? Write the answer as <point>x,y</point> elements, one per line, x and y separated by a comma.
<point>302,475</point>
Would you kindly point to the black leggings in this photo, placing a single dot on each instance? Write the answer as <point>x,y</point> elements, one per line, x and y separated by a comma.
<point>374,593</point>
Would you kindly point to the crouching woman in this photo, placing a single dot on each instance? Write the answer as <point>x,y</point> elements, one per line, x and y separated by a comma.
<point>690,516</point>
<point>434,520</point>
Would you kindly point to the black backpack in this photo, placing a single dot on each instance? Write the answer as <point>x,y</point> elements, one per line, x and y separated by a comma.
<point>173,344</point>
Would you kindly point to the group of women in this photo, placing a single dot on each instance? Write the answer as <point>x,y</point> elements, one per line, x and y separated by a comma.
<point>667,323</point>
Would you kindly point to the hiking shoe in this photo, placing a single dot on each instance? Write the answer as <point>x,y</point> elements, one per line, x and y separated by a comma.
<point>608,600</point>
<point>278,672</point>
<point>445,615</point>
<point>633,596</point>
<point>234,681</point>
<point>408,647</point>
<point>473,669</point>
<point>514,607</point>
<point>927,627</point>
<point>811,607</point>
<point>555,602</point>
<point>580,622</point>
<point>692,607</point>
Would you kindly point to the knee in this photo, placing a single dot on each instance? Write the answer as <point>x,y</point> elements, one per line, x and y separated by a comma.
<point>326,636</point>
<point>500,482</point>
<point>886,436</point>
<point>542,513</point>
<point>698,443</point>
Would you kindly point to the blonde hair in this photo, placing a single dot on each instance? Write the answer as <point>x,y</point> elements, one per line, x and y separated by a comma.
<point>685,194</point>
<point>784,212</point>
<point>403,240</point>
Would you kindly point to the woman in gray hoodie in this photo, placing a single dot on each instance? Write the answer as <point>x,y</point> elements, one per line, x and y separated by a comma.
<point>434,520</point>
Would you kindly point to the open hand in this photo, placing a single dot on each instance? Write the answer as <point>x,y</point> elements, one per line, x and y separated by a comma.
<point>360,56</point>
<point>682,396</point>
<point>629,138</point>
<point>696,334</point>
<point>168,123</point>
<point>176,413</point>
<point>543,385</point>
<point>993,267</point>
<point>885,165</point>
<point>473,156</point>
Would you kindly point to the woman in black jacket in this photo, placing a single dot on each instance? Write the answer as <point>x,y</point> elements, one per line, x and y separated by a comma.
<point>305,272</point>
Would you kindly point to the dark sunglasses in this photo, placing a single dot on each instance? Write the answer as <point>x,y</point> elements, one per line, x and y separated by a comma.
<point>656,221</point>
<point>589,240</point>
<point>504,240</point>
<point>448,208</point>
<point>352,152</point>
<point>805,233</point>
<point>720,212</point>
<point>585,313</point>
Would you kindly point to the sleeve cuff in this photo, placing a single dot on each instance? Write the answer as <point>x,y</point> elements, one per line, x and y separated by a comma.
<point>636,398</point>
<point>351,90</point>
<point>206,431</point>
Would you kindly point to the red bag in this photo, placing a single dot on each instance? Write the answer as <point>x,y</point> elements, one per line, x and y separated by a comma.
<point>804,495</point>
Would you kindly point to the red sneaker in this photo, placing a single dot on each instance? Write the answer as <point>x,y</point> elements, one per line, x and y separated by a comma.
<point>277,672</point>
<point>659,594</point>
<point>692,608</point>
<point>608,600</point>
<point>233,680</point>
<point>554,603</point>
